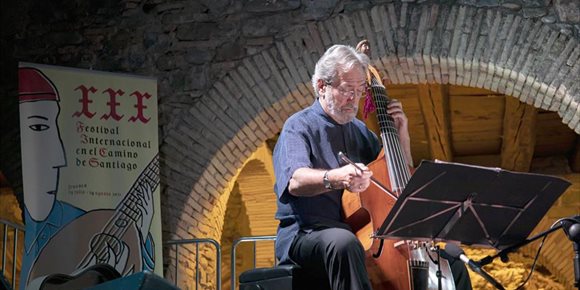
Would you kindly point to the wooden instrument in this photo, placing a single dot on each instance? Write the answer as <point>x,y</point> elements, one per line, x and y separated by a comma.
<point>391,264</point>
<point>89,239</point>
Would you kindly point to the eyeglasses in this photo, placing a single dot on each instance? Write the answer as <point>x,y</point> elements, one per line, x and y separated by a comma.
<point>360,91</point>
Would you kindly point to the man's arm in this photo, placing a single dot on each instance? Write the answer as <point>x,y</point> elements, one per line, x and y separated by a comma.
<point>310,182</point>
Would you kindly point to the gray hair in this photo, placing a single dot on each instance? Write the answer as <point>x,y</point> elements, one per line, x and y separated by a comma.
<point>337,57</point>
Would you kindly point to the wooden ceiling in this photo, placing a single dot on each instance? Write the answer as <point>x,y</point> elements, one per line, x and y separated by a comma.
<point>478,126</point>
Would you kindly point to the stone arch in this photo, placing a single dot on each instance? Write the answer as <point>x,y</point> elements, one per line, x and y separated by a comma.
<point>236,211</point>
<point>460,45</point>
<point>256,190</point>
<point>253,197</point>
<point>251,191</point>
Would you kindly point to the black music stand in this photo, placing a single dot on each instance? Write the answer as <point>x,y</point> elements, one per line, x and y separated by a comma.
<point>473,205</point>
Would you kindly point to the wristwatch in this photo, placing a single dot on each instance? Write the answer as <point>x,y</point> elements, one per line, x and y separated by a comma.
<point>326,181</point>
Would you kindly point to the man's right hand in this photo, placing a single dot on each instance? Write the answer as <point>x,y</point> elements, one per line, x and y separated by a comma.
<point>351,178</point>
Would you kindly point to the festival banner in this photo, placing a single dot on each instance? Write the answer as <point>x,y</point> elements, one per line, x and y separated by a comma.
<point>90,171</point>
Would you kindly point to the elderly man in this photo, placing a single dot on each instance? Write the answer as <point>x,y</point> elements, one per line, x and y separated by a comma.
<point>310,178</point>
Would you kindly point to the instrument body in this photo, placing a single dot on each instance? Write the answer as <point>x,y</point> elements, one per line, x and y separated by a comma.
<point>365,212</point>
<point>401,264</point>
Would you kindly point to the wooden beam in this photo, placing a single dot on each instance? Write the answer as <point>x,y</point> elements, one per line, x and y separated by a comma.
<point>435,107</point>
<point>519,135</point>
<point>489,160</point>
<point>575,156</point>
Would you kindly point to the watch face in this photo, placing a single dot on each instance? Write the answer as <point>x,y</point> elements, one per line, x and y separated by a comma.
<point>326,182</point>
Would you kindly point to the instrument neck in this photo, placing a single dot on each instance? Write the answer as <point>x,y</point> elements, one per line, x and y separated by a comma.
<point>399,172</point>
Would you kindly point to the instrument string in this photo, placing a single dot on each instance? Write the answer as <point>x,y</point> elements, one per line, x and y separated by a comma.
<point>391,143</point>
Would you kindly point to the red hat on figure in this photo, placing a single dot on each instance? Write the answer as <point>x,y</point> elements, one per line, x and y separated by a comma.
<point>33,85</point>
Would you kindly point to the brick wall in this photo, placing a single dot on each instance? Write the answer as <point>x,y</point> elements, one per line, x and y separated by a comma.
<point>231,72</point>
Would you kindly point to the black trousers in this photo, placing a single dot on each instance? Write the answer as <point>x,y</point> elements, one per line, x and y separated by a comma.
<point>333,258</point>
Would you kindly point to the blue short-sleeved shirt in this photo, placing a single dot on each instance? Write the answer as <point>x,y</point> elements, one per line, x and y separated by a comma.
<point>312,139</point>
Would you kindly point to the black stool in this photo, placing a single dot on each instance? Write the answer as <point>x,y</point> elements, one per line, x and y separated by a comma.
<point>276,278</point>
<point>282,277</point>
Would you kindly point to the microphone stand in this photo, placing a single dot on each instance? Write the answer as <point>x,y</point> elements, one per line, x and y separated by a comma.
<point>572,231</point>
<point>503,253</point>
<point>438,249</point>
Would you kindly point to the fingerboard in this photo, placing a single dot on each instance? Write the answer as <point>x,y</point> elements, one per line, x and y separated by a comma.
<point>399,173</point>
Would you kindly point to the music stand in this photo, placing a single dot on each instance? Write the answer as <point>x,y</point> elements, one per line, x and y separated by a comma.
<point>473,205</point>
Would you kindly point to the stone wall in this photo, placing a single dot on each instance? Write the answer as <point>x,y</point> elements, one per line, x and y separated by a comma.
<point>231,72</point>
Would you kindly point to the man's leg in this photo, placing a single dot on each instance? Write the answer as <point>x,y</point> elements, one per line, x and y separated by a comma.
<point>333,253</point>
